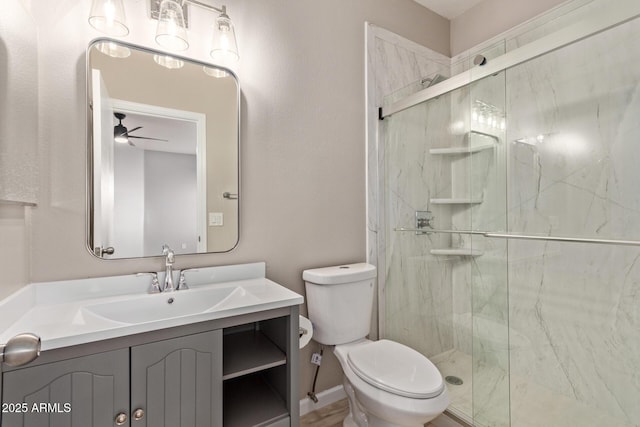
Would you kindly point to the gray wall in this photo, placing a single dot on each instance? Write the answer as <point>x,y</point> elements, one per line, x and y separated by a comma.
<point>170,180</point>
<point>492,17</point>
<point>128,204</point>
<point>302,148</point>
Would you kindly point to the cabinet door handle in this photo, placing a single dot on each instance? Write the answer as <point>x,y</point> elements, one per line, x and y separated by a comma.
<point>121,419</point>
<point>138,414</point>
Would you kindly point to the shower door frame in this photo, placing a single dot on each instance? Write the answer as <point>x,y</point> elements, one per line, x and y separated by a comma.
<point>604,19</point>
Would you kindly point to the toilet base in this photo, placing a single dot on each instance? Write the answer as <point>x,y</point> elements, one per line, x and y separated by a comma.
<point>357,417</point>
<point>348,422</point>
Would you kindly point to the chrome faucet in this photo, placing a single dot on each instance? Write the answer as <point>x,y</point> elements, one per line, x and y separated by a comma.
<point>168,263</point>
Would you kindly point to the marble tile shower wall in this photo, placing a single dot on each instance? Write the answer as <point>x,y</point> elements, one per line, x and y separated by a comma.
<point>395,67</point>
<point>418,295</point>
<point>573,171</point>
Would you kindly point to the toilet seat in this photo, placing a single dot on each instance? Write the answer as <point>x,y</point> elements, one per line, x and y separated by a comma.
<point>397,369</point>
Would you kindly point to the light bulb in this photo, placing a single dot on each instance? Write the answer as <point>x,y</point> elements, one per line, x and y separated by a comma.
<point>224,47</point>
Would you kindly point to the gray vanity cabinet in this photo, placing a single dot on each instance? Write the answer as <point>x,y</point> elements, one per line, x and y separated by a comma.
<point>178,382</point>
<point>173,382</point>
<point>237,372</point>
<point>83,391</point>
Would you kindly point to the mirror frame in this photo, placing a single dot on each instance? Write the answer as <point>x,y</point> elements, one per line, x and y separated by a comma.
<point>89,189</point>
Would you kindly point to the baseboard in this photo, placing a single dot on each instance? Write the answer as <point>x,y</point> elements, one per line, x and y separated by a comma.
<point>326,397</point>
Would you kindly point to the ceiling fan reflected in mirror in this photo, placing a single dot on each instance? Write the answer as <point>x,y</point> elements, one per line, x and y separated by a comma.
<point>122,135</point>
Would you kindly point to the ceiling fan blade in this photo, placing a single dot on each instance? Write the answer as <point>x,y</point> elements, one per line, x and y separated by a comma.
<point>145,137</point>
<point>134,129</point>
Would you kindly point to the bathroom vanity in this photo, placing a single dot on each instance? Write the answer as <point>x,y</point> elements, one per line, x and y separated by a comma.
<point>114,355</point>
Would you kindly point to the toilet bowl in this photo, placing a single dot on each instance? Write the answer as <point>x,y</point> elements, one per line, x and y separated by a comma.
<point>399,387</point>
<point>388,384</point>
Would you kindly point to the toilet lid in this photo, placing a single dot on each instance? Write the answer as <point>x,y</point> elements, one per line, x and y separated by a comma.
<point>396,368</point>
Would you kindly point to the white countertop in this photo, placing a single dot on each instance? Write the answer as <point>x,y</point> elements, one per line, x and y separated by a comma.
<point>67,313</point>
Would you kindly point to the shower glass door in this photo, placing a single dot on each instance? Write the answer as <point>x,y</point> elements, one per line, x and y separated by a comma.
<point>489,296</point>
<point>445,289</point>
<point>574,155</point>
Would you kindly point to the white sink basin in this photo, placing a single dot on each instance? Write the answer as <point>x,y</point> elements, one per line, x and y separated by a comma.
<point>150,308</point>
<point>74,312</point>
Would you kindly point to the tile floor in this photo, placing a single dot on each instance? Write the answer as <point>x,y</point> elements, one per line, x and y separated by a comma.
<point>531,404</point>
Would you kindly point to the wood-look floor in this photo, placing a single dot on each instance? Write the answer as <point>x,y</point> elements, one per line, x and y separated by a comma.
<point>329,416</point>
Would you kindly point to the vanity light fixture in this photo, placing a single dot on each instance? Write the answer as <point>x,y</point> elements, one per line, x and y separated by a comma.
<point>224,46</point>
<point>171,32</point>
<point>172,24</point>
<point>107,16</point>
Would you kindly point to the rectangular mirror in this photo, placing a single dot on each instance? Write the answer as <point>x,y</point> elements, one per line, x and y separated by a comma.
<point>163,153</point>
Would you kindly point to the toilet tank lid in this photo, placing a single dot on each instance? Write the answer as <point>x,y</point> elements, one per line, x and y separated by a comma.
<point>338,274</point>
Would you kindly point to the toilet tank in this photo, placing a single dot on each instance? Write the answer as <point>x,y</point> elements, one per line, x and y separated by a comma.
<point>339,300</point>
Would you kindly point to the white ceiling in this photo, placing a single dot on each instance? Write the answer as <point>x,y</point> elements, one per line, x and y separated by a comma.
<point>448,8</point>
<point>181,134</point>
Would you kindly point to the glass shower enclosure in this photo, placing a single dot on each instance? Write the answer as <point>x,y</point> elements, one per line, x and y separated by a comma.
<point>512,230</point>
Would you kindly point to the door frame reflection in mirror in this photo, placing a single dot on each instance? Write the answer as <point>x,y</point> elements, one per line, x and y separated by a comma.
<point>199,120</point>
<point>125,106</point>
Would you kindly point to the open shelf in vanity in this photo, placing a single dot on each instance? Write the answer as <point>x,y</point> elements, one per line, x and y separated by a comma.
<point>247,352</point>
<point>254,374</point>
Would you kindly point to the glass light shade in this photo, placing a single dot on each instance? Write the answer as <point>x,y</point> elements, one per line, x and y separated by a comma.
<point>171,32</point>
<point>113,50</point>
<point>107,16</point>
<point>224,47</point>
<point>215,72</point>
<point>168,61</point>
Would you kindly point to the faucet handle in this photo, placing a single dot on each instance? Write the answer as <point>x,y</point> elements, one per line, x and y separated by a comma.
<point>155,283</point>
<point>168,252</point>
<point>182,282</point>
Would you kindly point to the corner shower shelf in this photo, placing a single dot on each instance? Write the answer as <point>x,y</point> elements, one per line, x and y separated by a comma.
<point>456,201</point>
<point>469,149</point>
<point>461,150</point>
<point>457,252</point>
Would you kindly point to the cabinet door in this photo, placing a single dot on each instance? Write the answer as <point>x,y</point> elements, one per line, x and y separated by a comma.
<point>178,382</point>
<point>81,392</point>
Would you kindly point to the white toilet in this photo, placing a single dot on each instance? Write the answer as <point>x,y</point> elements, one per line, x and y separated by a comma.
<point>388,384</point>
